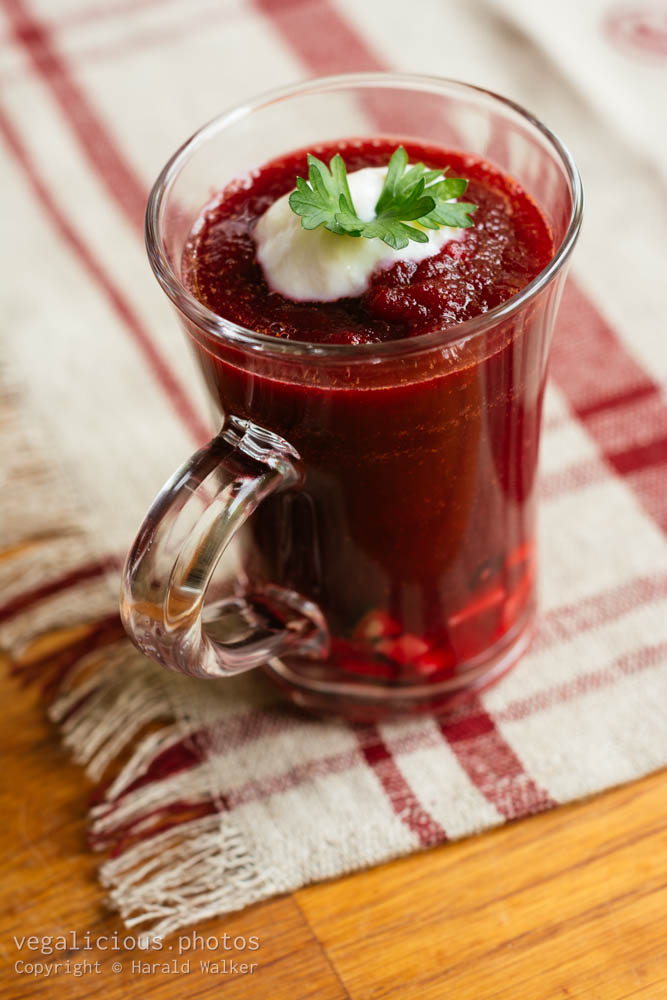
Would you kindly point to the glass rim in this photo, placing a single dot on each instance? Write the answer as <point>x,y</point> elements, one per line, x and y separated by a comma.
<point>237,335</point>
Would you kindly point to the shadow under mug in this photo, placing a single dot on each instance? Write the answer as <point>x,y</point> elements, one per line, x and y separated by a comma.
<point>380,498</point>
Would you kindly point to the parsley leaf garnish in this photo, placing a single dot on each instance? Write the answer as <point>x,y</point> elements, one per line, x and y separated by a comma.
<point>414,195</point>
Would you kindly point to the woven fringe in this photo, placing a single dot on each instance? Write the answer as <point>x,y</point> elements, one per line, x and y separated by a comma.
<point>116,699</point>
<point>178,858</point>
<point>172,878</point>
<point>185,875</point>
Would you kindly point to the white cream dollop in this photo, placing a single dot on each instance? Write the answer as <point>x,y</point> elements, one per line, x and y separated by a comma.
<point>314,265</point>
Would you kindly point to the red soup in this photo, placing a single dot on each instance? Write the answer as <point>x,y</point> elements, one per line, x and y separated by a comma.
<point>413,529</point>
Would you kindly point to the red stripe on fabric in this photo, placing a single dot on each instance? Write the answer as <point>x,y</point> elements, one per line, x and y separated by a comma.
<point>487,759</point>
<point>635,461</point>
<point>319,36</point>
<point>556,626</point>
<point>179,756</point>
<point>257,789</point>
<point>638,422</point>
<point>27,600</point>
<point>591,368</point>
<point>595,680</point>
<point>299,774</point>
<point>165,818</point>
<point>343,49</point>
<point>492,765</point>
<point>53,667</point>
<point>96,141</point>
<point>592,612</point>
<point>641,456</point>
<point>617,400</point>
<point>403,800</point>
<point>400,795</point>
<point>122,182</point>
<point>324,42</point>
<point>113,295</point>
<point>587,361</point>
<point>473,724</point>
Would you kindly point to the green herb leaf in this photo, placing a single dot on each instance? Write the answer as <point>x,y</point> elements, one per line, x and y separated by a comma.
<point>417,194</point>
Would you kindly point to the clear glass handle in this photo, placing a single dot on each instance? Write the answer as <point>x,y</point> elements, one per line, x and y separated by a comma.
<point>174,556</point>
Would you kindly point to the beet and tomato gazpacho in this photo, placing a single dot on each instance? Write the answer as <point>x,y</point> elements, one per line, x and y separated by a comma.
<point>413,530</point>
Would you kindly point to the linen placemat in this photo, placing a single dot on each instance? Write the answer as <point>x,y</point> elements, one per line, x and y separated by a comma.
<point>213,795</point>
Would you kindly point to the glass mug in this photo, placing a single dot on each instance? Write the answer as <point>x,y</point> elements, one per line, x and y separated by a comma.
<point>380,498</point>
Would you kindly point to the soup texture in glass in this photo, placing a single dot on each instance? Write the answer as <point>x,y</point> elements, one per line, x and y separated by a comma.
<point>377,458</point>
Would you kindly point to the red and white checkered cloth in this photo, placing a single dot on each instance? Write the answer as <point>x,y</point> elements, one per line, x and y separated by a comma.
<point>226,797</point>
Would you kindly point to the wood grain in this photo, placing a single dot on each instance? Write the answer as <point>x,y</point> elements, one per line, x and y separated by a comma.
<point>572,903</point>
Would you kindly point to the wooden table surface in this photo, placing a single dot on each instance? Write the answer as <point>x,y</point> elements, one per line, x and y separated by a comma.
<point>572,903</point>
